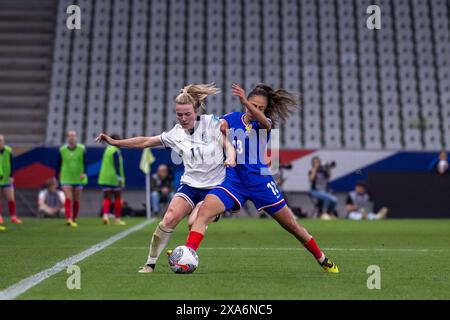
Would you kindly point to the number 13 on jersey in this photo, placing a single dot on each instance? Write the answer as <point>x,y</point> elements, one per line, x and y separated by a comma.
<point>238,146</point>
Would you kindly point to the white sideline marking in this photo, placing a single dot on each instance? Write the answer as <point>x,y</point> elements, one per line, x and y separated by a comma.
<point>22,286</point>
<point>300,248</point>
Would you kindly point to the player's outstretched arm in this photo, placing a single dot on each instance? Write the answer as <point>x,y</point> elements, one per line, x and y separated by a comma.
<point>137,142</point>
<point>258,114</point>
<point>230,151</point>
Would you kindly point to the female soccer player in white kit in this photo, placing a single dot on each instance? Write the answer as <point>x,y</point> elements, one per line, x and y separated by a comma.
<point>200,141</point>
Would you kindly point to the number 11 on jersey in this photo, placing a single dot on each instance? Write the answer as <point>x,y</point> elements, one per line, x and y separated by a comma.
<point>197,150</point>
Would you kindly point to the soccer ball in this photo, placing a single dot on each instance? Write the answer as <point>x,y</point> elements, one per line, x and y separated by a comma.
<point>183,260</point>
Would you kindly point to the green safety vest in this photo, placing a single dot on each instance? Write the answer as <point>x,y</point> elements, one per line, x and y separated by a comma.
<point>5,166</point>
<point>108,175</point>
<point>72,165</point>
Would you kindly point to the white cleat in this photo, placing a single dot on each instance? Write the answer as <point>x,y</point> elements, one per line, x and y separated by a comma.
<point>146,269</point>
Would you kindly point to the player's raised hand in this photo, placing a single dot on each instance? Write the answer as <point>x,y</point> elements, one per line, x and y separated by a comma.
<point>230,163</point>
<point>104,137</point>
<point>237,91</point>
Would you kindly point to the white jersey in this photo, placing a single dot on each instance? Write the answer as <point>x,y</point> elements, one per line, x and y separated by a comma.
<point>202,152</point>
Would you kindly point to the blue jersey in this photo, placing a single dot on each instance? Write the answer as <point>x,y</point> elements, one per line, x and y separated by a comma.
<point>250,141</point>
<point>250,179</point>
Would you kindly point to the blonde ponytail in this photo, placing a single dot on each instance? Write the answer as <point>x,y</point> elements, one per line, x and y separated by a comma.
<point>196,94</point>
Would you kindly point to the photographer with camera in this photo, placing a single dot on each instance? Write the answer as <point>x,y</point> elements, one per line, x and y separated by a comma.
<point>319,176</point>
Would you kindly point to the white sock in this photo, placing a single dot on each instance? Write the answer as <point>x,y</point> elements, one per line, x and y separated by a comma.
<point>160,238</point>
<point>321,259</point>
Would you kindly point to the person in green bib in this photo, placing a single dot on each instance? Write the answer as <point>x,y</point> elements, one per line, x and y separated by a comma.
<point>7,181</point>
<point>112,180</point>
<point>72,175</point>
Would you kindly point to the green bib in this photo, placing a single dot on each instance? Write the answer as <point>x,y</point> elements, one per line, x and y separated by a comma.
<point>72,165</point>
<point>108,175</point>
<point>5,166</point>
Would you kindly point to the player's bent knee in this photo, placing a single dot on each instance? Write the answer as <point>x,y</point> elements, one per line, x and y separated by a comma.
<point>170,221</point>
<point>171,218</point>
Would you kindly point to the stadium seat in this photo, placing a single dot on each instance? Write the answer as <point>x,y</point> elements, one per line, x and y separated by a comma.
<point>384,81</point>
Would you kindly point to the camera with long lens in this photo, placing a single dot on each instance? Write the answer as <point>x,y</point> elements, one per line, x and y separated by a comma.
<point>329,165</point>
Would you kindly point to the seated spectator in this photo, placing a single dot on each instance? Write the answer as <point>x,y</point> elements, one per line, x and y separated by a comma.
<point>359,206</point>
<point>161,186</point>
<point>319,176</point>
<point>440,164</point>
<point>51,200</point>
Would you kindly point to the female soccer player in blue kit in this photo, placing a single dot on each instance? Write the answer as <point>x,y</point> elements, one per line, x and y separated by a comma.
<point>245,181</point>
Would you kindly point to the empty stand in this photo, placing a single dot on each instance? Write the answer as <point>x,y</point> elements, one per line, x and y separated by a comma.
<point>359,88</point>
<point>26,44</point>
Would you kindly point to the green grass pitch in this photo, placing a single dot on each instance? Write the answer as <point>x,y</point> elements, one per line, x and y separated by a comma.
<point>239,259</point>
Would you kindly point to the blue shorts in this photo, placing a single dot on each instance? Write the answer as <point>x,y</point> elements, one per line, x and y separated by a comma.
<point>4,186</point>
<point>77,186</point>
<point>192,195</point>
<point>110,188</point>
<point>265,195</point>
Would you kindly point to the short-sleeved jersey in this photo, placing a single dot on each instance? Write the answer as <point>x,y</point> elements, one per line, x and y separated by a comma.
<point>250,141</point>
<point>320,182</point>
<point>361,201</point>
<point>52,199</point>
<point>201,151</point>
